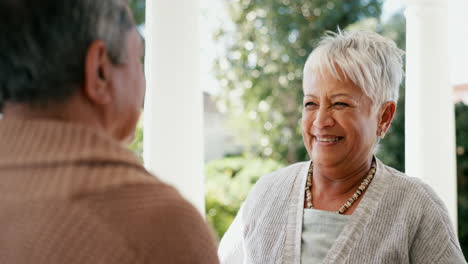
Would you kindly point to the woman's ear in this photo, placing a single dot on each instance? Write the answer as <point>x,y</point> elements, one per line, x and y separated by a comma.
<point>386,116</point>
<point>97,69</point>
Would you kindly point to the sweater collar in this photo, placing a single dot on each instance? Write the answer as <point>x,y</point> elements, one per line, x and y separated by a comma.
<point>42,142</point>
<point>353,231</point>
<point>357,222</point>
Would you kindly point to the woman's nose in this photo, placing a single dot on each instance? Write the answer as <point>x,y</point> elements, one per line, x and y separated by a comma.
<point>323,118</point>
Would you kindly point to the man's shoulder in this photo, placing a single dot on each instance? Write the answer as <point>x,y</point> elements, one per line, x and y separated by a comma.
<point>153,218</point>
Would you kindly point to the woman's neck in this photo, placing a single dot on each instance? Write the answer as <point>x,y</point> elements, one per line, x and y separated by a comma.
<point>334,182</point>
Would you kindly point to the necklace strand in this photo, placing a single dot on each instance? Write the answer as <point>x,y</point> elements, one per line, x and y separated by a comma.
<point>352,199</point>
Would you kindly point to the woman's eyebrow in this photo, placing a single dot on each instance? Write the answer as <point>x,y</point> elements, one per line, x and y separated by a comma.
<point>341,95</point>
<point>333,96</point>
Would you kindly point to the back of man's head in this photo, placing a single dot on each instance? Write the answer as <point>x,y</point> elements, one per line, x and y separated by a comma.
<point>44,45</point>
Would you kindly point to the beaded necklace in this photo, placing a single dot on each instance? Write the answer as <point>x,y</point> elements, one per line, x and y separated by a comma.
<point>352,199</point>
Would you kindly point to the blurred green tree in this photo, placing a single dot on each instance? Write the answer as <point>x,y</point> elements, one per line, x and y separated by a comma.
<point>137,144</point>
<point>391,149</point>
<point>261,72</point>
<point>138,10</point>
<point>461,114</point>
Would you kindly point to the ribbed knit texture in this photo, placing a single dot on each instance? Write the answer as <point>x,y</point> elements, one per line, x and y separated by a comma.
<point>70,194</point>
<point>399,220</point>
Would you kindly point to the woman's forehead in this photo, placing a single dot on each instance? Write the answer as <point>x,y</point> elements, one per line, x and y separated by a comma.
<point>319,84</point>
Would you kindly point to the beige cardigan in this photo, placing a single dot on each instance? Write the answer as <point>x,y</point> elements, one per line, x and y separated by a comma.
<point>70,194</point>
<point>399,220</point>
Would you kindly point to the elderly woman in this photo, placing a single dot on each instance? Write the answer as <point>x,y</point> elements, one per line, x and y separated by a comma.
<point>344,206</point>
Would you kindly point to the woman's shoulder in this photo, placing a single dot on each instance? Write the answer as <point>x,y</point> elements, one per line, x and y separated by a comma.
<point>401,186</point>
<point>279,177</point>
<point>413,200</point>
<point>284,172</point>
<point>276,187</point>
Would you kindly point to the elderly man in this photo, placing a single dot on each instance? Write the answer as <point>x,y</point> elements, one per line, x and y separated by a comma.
<point>72,86</point>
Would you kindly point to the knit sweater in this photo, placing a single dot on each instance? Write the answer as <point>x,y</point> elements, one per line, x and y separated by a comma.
<point>399,220</point>
<point>71,194</point>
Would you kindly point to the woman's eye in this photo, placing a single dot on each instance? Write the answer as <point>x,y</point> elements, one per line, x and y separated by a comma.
<point>341,104</point>
<point>310,104</point>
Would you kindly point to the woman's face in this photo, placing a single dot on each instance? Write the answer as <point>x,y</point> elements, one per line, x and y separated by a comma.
<point>338,124</point>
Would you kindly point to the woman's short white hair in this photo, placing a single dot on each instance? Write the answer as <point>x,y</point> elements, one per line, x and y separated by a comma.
<point>370,61</point>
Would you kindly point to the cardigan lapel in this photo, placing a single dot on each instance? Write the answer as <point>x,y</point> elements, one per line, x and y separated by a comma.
<point>353,231</point>
<point>295,213</point>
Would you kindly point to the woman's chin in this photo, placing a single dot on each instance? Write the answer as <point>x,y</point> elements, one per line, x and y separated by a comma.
<point>326,158</point>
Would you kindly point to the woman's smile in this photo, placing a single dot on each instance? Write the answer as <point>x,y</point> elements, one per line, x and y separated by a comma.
<point>327,140</point>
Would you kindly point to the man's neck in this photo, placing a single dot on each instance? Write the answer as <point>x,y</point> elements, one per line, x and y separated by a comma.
<point>60,112</point>
<point>24,111</point>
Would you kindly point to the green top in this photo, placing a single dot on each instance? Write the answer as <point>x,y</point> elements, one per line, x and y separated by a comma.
<point>320,229</point>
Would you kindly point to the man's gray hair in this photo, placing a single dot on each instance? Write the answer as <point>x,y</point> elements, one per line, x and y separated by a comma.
<point>44,44</point>
<point>370,61</point>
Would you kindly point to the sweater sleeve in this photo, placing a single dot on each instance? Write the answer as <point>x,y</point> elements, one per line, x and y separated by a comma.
<point>435,240</point>
<point>452,254</point>
<point>433,247</point>
<point>231,248</point>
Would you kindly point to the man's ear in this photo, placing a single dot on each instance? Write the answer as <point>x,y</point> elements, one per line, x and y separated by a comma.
<point>97,83</point>
<point>386,116</point>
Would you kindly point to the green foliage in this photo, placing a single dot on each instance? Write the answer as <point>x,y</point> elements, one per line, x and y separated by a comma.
<point>137,144</point>
<point>227,184</point>
<point>461,113</point>
<point>262,71</point>
<point>391,149</point>
<point>138,10</point>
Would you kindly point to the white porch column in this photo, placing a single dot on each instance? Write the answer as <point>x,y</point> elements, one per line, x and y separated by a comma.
<point>173,116</point>
<point>430,121</point>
